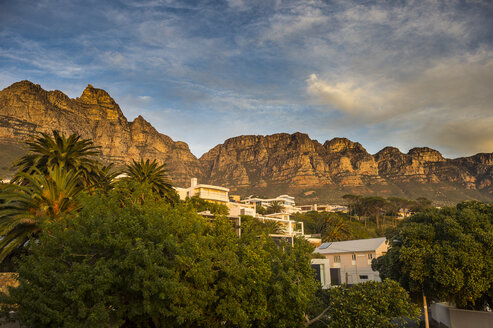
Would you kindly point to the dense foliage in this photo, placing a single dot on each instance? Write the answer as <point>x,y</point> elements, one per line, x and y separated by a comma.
<point>42,197</point>
<point>203,205</point>
<point>378,209</point>
<point>447,252</point>
<point>333,226</point>
<point>72,153</point>
<point>155,175</point>
<point>370,304</point>
<point>151,265</point>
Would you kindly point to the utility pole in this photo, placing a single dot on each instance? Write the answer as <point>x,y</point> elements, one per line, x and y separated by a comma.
<point>427,323</point>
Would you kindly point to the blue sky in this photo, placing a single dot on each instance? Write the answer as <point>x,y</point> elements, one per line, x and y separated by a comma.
<point>400,73</point>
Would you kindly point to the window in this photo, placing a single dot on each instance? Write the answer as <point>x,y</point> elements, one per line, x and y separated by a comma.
<point>370,256</point>
<point>337,259</point>
<point>319,273</point>
<point>363,277</point>
<point>353,257</point>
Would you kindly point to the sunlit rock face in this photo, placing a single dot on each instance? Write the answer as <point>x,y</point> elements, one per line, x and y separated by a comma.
<point>253,164</point>
<point>25,109</point>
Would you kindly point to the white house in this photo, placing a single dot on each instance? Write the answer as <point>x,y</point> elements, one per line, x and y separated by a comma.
<point>350,261</point>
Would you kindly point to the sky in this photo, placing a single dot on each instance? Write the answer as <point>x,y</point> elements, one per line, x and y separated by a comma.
<point>382,73</point>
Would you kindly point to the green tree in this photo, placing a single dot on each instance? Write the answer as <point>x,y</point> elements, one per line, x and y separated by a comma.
<point>46,151</point>
<point>420,204</point>
<point>260,210</point>
<point>275,207</point>
<point>369,304</point>
<point>335,229</point>
<point>203,205</point>
<point>352,201</point>
<point>448,253</point>
<point>152,265</point>
<point>103,179</point>
<point>45,197</point>
<point>372,206</point>
<point>155,175</point>
<point>324,222</point>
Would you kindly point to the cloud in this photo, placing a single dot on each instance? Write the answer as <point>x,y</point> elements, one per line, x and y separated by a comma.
<point>449,104</point>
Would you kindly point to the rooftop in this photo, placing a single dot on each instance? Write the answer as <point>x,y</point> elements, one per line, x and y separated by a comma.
<point>350,246</point>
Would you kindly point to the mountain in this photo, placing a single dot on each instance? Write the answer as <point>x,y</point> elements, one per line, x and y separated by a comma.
<point>298,165</point>
<point>261,165</point>
<point>26,109</point>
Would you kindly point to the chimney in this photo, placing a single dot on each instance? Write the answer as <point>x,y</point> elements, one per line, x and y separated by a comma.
<point>193,182</point>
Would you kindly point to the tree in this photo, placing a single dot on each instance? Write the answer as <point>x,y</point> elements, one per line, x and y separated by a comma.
<point>447,253</point>
<point>155,175</point>
<point>324,223</point>
<point>275,207</point>
<point>352,200</point>
<point>334,228</point>
<point>45,197</point>
<point>152,265</point>
<point>103,178</point>
<point>373,206</point>
<point>46,151</point>
<point>260,210</point>
<point>420,204</point>
<point>203,205</point>
<point>369,304</point>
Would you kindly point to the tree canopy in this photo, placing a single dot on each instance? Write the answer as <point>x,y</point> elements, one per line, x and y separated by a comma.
<point>369,304</point>
<point>151,265</point>
<point>150,172</point>
<point>446,252</point>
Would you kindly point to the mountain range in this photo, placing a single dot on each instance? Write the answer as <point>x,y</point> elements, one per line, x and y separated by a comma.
<point>252,164</point>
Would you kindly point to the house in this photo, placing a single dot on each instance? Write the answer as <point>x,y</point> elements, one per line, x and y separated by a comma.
<point>211,193</point>
<point>350,261</point>
<point>323,208</point>
<point>237,208</point>
<point>285,200</point>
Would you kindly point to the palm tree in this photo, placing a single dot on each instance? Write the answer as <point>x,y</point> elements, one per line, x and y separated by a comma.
<point>45,197</point>
<point>334,229</point>
<point>103,178</point>
<point>69,152</point>
<point>155,175</point>
<point>275,207</point>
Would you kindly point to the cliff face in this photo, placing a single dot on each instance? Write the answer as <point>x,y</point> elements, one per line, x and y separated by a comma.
<point>264,165</point>
<point>301,166</point>
<point>25,109</point>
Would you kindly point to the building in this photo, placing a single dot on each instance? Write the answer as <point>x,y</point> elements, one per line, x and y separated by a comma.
<point>208,192</point>
<point>323,208</point>
<point>350,261</point>
<point>285,200</point>
<point>239,208</point>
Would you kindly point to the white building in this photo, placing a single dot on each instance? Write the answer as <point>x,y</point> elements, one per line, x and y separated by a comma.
<point>217,194</point>
<point>349,262</point>
<point>204,191</point>
<point>285,200</point>
<point>323,208</point>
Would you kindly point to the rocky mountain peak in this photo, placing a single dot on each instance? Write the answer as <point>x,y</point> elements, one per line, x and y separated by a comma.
<point>94,96</point>
<point>426,154</point>
<point>339,145</point>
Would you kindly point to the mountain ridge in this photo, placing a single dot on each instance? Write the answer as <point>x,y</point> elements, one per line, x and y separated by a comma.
<point>264,165</point>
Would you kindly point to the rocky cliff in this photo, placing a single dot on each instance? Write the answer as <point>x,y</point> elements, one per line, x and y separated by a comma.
<point>25,109</point>
<point>262,165</point>
<point>296,164</point>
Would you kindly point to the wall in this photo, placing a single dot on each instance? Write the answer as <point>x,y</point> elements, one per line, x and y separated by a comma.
<point>450,317</point>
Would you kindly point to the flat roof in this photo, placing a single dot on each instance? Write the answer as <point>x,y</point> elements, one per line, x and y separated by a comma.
<point>211,187</point>
<point>350,246</point>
